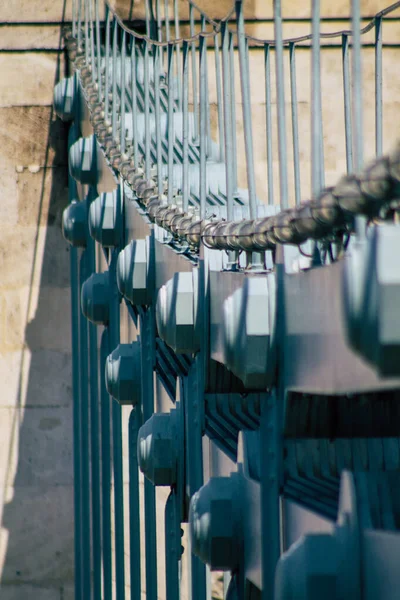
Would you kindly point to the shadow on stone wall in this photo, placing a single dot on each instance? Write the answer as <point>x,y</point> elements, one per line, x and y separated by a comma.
<point>38,491</point>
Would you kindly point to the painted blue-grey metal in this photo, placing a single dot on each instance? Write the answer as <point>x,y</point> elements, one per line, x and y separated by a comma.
<point>258,346</point>
<point>122,374</point>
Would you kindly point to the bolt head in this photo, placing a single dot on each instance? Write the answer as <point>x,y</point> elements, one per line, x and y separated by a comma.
<point>248,331</point>
<point>214,519</point>
<point>83,160</point>
<point>64,98</point>
<point>123,374</point>
<point>74,224</point>
<point>95,298</point>
<point>105,222</point>
<point>176,313</point>
<point>158,449</point>
<point>133,273</point>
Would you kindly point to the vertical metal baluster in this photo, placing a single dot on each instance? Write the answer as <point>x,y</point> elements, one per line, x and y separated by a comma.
<point>160,32</point>
<point>147,165</point>
<point>228,100</point>
<point>84,438</point>
<point>74,16</point>
<point>295,125</point>
<point>177,53</point>
<point>123,108</point>
<point>172,547</point>
<point>158,119</point>
<point>358,134</point>
<point>98,55</point>
<point>208,120</point>
<point>87,48</point>
<point>268,120</point>
<point>233,110</point>
<point>171,132</point>
<point>94,430</point>
<point>159,22</point>
<point>270,457</point>
<point>221,131</point>
<point>203,127</point>
<point>194,75</point>
<point>147,337</point>
<point>114,329</point>
<point>114,81</point>
<point>147,17</point>
<point>347,103</point>
<point>378,85</point>
<point>76,414</point>
<point>246,104</point>
<point>105,470</point>
<point>92,52</point>
<point>166,17</point>
<point>135,419</point>
<point>280,95</point>
<point>185,108</point>
<point>80,24</point>
<point>134,103</point>
<point>107,74</point>
<point>317,168</point>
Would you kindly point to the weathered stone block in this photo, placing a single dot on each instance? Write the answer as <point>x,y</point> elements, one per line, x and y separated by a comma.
<point>37,70</point>
<point>36,447</point>
<point>37,536</point>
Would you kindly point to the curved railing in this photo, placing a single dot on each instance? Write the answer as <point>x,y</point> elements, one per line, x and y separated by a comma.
<point>240,354</point>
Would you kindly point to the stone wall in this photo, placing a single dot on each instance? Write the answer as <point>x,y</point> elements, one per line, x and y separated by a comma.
<point>36,499</point>
<point>36,478</point>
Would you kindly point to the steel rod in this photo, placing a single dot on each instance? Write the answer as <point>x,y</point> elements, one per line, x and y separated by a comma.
<point>114,82</point>
<point>107,73</point>
<point>347,103</point>
<point>171,132</point>
<point>203,128</point>
<point>185,109</point>
<point>233,111</point>
<point>227,117</point>
<point>84,439</point>
<point>98,53</point>
<point>295,124</point>
<point>194,75</point>
<point>134,103</point>
<point>114,332</point>
<point>378,85</point>
<point>122,92</point>
<point>221,128</point>
<point>134,505</point>
<point>105,417</point>
<point>158,120</point>
<point>94,432</point>
<point>316,121</point>
<point>280,94</point>
<point>147,140</point>
<point>358,133</point>
<point>268,120</point>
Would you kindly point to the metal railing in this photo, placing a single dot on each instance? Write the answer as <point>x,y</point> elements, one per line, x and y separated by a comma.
<point>244,350</point>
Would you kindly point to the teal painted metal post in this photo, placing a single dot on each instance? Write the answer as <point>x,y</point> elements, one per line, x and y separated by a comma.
<point>117,439</point>
<point>172,547</point>
<point>105,470</point>
<point>135,420</point>
<point>270,473</point>
<point>94,432</point>
<point>148,359</point>
<point>73,257</point>
<point>84,441</point>
<point>193,396</point>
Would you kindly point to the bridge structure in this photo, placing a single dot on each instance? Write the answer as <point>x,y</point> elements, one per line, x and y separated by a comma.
<point>252,332</point>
